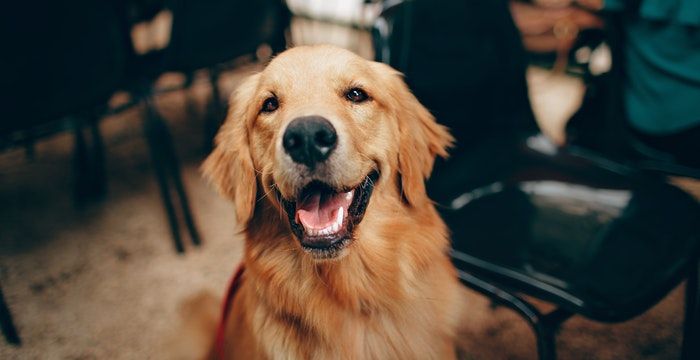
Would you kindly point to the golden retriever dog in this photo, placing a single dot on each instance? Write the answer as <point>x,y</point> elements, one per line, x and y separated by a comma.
<point>325,156</point>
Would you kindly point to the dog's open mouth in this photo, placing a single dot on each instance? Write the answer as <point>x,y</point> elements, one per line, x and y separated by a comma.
<point>323,218</point>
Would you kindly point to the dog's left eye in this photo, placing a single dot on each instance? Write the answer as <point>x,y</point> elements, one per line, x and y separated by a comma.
<point>356,95</point>
<point>271,104</point>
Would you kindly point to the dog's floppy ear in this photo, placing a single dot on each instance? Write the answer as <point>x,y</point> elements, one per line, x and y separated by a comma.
<point>230,166</point>
<point>421,139</point>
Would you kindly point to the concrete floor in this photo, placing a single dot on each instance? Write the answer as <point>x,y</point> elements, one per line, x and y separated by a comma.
<point>104,282</point>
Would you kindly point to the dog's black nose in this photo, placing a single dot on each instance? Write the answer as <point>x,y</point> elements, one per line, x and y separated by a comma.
<point>309,140</point>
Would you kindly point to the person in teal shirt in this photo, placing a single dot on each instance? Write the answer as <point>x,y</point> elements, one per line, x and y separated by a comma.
<point>662,64</point>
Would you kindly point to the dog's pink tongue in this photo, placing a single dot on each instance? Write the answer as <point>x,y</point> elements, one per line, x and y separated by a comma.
<point>319,210</point>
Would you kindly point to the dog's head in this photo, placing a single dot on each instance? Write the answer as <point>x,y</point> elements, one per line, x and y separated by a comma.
<point>316,134</point>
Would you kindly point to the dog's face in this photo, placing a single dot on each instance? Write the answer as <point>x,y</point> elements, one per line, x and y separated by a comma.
<point>316,134</point>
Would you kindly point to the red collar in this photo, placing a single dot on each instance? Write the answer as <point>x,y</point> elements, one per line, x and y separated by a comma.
<point>226,309</point>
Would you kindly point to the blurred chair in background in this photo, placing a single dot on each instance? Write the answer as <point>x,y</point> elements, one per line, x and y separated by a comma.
<point>469,71</point>
<point>204,35</point>
<point>62,64</point>
<point>70,59</point>
<point>209,34</point>
<point>569,226</point>
<point>65,60</point>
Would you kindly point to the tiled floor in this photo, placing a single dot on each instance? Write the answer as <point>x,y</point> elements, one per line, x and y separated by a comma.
<point>103,282</point>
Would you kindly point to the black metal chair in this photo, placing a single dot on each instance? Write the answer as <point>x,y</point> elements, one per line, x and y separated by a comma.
<point>592,236</point>
<point>66,60</point>
<point>204,35</point>
<point>62,63</point>
<point>59,66</point>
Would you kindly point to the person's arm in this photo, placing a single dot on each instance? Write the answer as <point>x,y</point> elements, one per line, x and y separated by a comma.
<point>544,24</point>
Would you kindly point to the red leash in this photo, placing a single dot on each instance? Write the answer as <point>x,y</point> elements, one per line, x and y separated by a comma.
<point>226,310</point>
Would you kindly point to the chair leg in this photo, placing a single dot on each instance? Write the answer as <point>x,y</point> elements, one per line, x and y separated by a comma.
<point>168,174</point>
<point>546,329</point>
<point>545,326</point>
<point>186,212</point>
<point>691,334</point>
<point>8,326</point>
<point>175,175</point>
<point>155,132</point>
<point>190,103</point>
<point>90,182</point>
<point>546,342</point>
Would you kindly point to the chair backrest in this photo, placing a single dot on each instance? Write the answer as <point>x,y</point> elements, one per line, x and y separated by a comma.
<point>208,32</point>
<point>59,58</point>
<point>464,61</point>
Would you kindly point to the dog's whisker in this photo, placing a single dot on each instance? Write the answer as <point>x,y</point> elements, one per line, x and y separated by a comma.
<point>278,197</point>
<point>266,194</point>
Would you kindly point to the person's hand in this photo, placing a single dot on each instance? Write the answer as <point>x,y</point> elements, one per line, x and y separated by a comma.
<point>549,25</point>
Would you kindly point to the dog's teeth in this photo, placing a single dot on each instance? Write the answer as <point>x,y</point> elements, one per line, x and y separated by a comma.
<point>339,216</point>
<point>348,195</point>
<point>331,229</point>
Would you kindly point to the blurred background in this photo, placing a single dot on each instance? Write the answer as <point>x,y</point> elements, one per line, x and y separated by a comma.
<point>573,184</point>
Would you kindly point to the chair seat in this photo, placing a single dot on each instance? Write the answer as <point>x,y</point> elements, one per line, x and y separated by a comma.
<point>590,236</point>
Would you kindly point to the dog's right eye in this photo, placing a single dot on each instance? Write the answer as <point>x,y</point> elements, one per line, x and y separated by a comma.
<point>357,95</point>
<point>270,104</point>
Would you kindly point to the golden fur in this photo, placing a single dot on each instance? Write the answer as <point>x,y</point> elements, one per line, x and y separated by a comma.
<point>392,293</point>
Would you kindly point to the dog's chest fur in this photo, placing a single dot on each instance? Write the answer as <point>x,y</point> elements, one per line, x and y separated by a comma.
<point>410,327</point>
<point>380,336</point>
<point>351,311</point>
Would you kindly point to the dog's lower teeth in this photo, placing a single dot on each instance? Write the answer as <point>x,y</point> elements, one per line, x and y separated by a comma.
<point>332,229</point>
<point>339,218</point>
